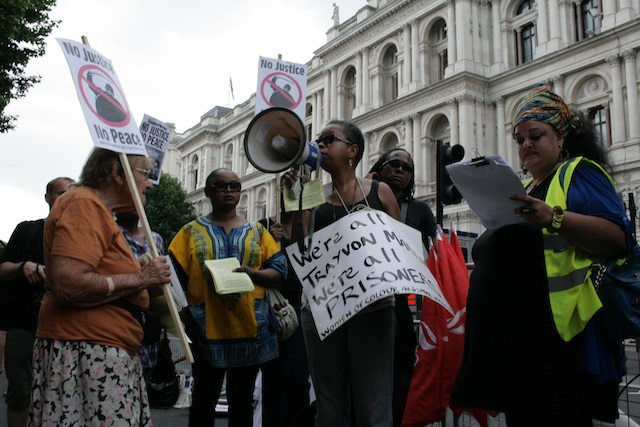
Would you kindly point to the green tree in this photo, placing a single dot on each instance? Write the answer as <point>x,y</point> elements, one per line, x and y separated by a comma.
<point>167,208</point>
<point>24,26</point>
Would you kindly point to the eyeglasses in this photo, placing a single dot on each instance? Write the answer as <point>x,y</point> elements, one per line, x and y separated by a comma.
<point>220,186</point>
<point>328,139</point>
<point>145,172</point>
<point>395,164</point>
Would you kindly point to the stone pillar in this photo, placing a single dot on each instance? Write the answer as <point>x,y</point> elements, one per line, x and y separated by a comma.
<point>632,93</point>
<point>466,116</point>
<point>415,142</point>
<point>542,23</point>
<point>519,41</point>
<point>315,112</point>
<point>502,140</point>
<point>453,125</point>
<point>333,98</point>
<point>326,97</point>
<point>554,22</point>
<point>408,133</point>
<point>365,78</point>
<point>497,34</point>
<point>406,65</point>
<point>580,23</point>
<point>358,79</point>
<point>480,122</point>
<point>415,55</point>
<point>558,85</point>
<point>451,32</point>
<point>608,14</point>
<point>463,39</point>
<point>617,112</point>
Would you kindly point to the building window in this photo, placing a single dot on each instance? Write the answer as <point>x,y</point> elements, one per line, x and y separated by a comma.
<point>589,20</point>
<point>526,44</point>
<point>349,93</point>
<point>227,163</point>
<point>390,72</point>
<point>525,6</point>
<point>599,120</point>
<point>525,33</point>
<point>443,63</point>
<point>193,173</point>
<point>438,51</point>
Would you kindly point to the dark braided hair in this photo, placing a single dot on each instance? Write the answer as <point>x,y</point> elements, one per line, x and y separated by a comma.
<point>407,192</point>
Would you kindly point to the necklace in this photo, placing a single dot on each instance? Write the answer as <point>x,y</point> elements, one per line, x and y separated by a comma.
<point>353,198</point>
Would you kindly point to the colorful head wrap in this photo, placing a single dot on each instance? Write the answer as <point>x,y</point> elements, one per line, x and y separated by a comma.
<point>545,106</point>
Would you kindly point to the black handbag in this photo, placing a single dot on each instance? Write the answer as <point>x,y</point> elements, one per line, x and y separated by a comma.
<point>618,287</point>
<point>164,385</point>
<point>150,321</point>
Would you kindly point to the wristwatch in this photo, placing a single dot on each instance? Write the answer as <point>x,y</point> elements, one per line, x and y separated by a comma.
<point>556,220</point>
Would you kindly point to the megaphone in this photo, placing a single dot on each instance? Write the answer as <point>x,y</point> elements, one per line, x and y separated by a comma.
<point>276,140</point>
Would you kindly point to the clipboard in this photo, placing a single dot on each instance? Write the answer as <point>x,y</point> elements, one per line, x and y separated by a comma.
<point>487,184</point>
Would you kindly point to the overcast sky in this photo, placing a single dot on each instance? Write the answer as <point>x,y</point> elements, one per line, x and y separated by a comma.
<point>173,60</point>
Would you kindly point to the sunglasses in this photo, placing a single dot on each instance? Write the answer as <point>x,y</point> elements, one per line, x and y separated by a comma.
<point>145,172</point>
<point>395,164</point>
<point>328,140</point>
<point>220,186</point>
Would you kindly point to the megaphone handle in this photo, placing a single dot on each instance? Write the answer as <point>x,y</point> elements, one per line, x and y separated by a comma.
<point>278,197</point>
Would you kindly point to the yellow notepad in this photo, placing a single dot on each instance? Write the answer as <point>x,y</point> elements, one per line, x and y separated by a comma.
<point>225,279</point>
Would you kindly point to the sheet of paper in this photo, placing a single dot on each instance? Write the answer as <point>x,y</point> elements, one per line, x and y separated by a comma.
<point>487,186</point>
<point>225,279</point>
<point>312,196</point>
<point>176,289</point>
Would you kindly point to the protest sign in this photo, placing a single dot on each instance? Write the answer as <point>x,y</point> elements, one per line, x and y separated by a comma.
<point>102,100</point>
<point>281,84</point>
<point>155,135</point>
<point>358,260</point>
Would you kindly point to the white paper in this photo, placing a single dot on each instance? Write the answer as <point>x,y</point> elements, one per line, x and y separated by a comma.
<point>176,289</point>
<point>487,187</point>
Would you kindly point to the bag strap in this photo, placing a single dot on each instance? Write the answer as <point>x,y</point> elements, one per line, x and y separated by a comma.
<point>403,212</point>
<point>256,232</point>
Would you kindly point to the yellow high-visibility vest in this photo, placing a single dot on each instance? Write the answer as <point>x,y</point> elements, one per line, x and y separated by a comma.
<point>572,296</point>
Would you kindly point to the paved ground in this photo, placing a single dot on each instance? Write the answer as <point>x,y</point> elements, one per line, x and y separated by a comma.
<point>161,417</point>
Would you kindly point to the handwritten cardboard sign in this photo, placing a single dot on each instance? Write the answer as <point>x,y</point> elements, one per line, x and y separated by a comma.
<point>360,259</point>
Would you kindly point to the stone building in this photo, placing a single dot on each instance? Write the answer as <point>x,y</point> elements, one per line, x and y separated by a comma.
<point>411,72</point>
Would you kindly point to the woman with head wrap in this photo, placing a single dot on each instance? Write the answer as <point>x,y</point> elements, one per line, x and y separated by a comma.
<point>532,346</point>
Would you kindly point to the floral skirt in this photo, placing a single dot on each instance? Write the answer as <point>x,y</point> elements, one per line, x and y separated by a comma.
<point>83,384</point>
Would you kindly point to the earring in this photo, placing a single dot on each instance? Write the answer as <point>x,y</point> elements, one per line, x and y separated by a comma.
<point>564,153</point>
<point>350,163</point>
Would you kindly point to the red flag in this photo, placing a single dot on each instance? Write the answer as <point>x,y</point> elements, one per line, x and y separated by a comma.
<point>441,340</point>
<point>425,402</point>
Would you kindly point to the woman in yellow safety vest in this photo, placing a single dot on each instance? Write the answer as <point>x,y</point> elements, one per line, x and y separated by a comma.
<point>532,347</point>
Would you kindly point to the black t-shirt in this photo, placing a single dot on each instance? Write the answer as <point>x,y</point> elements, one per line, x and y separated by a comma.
<point>420,217</point>
<point>26,244</point>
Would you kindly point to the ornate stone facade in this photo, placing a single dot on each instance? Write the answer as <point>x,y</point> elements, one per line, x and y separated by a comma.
<point>427,70</point>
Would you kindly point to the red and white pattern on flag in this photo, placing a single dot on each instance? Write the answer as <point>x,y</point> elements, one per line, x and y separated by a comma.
<point>441,339</point>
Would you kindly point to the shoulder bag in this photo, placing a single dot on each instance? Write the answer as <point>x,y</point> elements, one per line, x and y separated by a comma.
<point>285,314</point>
<point>618,287</point>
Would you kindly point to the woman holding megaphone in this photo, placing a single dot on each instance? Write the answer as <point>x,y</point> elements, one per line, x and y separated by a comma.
<point>355,362</point>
